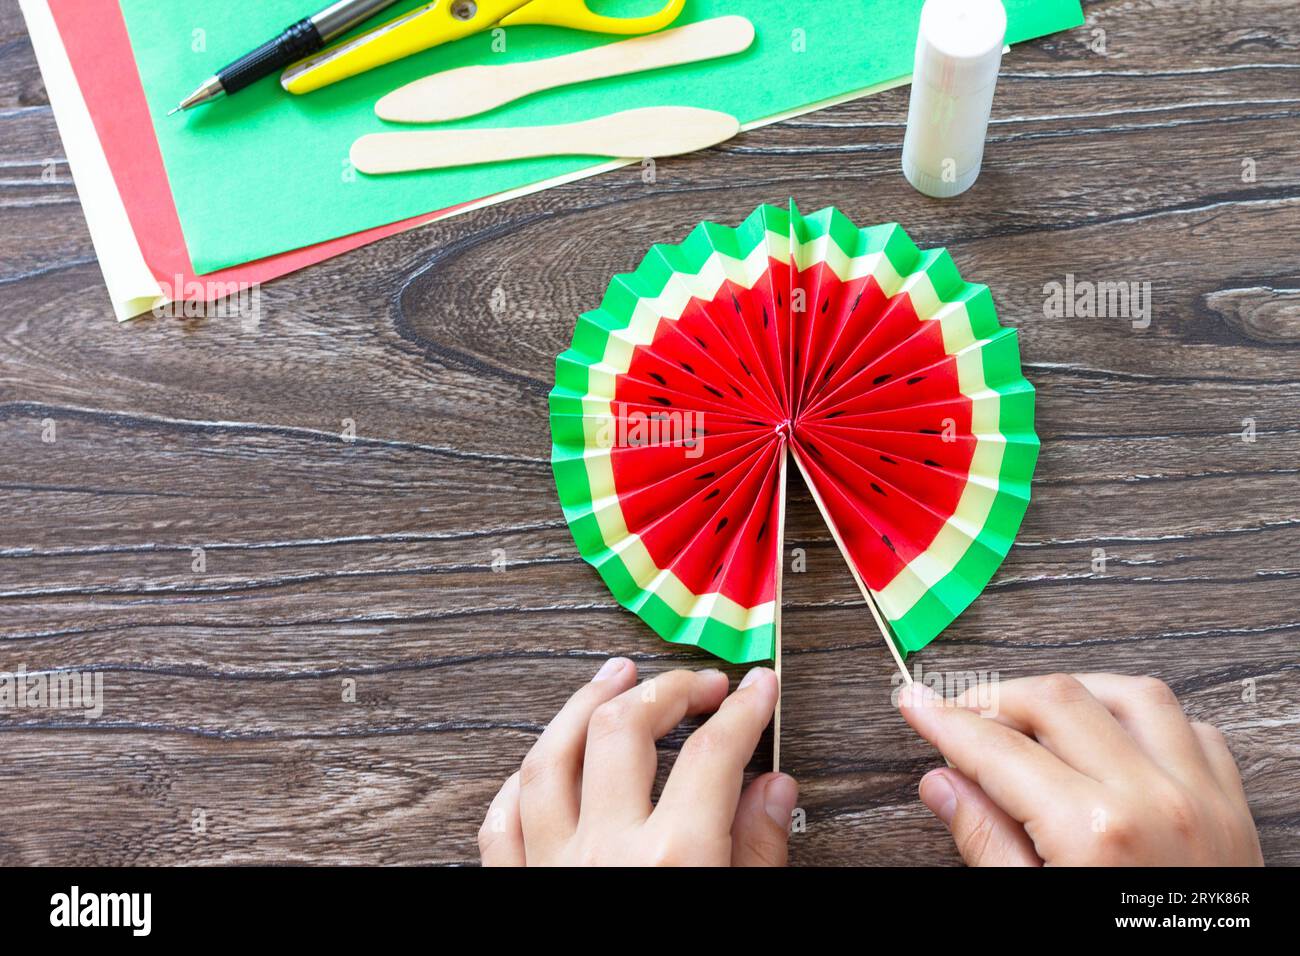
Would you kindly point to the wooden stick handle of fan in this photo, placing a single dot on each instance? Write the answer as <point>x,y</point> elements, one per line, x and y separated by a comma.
<point>652,131</point>
<point>780,573</point>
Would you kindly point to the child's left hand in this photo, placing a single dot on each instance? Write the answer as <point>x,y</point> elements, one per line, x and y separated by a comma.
<point>582,795</point>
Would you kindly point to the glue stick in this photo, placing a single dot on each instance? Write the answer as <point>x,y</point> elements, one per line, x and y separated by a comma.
<point>958,53</point>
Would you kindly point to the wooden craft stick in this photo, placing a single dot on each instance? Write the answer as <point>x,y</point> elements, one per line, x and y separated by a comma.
<point>470,90</point>
<point>780,573</point>
<point>652,131</point>
<point>839,542</point>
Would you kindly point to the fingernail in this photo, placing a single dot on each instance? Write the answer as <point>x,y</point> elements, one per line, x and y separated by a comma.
<point>937,794</point>
<point>610,668</point>
<point>709,672</point>
<point>779,798</point>
<point>915,695</point>
<point>752,676</point>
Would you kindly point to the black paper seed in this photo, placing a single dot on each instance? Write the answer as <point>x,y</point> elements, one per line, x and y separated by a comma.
<point>687,369</point>
<point>659,378</point>
<point>713,391</point>
<point>813,448</point>
<point>745,367</point>
<point>888,544</point>
<point>735,303</point>
<point>660,399</point>
<point>750,421</point>
<point>764,316</point>
<point>829,368</point>
<point>721,524</point>
<point>739,393</point>
<point>703,344</point>
<point>932,463</point>
<point>706,476</point>
<point>717,572</point>
<point>778,300</point>
<point>834,414</point>
<point>712,494</point>
<point>888,460</point>
<point>928,431</point>
<point>855,303</point>
<point>826,305</point>
<point>762,531</point>
<point>915,378</point>
<point>877,489</point>
<point>879,378</point>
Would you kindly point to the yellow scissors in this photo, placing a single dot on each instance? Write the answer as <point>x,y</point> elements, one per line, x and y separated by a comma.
<point>447,20</point>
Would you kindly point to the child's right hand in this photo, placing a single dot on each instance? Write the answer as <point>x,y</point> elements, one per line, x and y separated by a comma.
<point>1090,769</point>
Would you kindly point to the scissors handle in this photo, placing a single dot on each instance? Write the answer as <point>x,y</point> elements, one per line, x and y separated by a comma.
<point>576,15</point>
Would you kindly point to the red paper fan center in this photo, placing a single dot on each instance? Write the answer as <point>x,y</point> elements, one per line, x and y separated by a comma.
<point>862,390</point>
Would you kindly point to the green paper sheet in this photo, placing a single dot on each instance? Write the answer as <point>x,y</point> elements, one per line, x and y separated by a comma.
<point>264,172</point>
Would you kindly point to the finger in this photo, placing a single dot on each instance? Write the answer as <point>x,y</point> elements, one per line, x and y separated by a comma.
<point>621,761</point>
<point>1019,774</point>
<point>761,834</point>
<point>1226,773</point>
<point>1153,717</point>
<point>985,835</point>
<point>550,778</point>
<point>1061,714</point>
<point>704,786</point>
<point>501,837</point>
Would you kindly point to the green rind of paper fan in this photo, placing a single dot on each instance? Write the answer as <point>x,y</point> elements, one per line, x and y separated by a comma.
<point>656,270</point>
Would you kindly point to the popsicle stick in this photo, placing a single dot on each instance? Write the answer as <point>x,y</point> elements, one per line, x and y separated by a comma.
<point>839,542</point>
<point>652,131</point>
<point>780,572</point>
<point>470,90</point>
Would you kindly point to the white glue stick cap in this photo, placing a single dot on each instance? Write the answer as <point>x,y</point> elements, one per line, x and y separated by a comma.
<point>958,53</point>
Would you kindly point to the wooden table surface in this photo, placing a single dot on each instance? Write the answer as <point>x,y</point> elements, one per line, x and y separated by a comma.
<point>1171,158</point>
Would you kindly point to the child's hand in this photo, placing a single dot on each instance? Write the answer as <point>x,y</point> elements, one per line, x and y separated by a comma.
<point>582,795</point>
<point>1094,769</point>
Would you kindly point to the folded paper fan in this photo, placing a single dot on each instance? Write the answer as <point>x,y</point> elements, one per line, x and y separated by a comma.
<point>870,364</point>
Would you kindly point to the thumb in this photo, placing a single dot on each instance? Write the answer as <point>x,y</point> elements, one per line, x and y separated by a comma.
<point>761,831</point>
<point>985,835</point>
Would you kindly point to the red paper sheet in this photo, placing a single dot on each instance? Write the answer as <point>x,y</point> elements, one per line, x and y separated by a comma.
<point>98,47</point>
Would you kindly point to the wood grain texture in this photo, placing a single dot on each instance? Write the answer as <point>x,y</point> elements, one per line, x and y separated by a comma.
<point>371,560</point>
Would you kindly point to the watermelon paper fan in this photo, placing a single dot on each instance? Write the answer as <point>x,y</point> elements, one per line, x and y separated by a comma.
<point>869,363</point>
